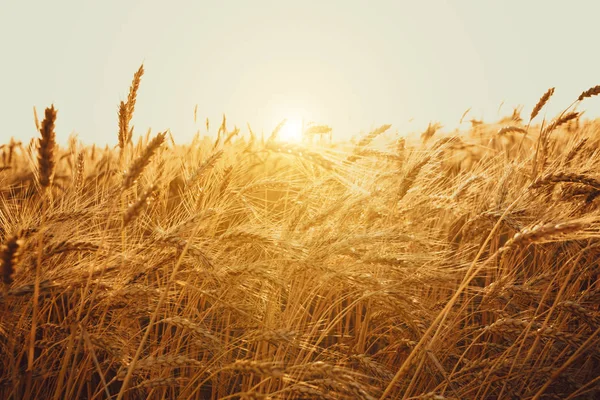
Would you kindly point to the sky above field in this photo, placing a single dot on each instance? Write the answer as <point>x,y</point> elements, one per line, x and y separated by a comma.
<point>351,64</point>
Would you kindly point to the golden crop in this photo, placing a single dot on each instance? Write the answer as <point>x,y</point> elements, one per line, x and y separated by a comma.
<point>456,267</point>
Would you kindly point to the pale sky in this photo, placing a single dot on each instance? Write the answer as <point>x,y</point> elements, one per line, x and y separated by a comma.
<point>351,64</point>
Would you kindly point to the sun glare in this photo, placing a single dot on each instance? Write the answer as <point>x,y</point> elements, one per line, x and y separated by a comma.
<point>291,131</point>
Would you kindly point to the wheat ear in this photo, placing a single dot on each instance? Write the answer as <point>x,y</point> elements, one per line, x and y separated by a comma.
<point>541,103</point>
<point>9,257</point>
<point>47,147</point>
<point>594,91</point>
<point>142,161</point>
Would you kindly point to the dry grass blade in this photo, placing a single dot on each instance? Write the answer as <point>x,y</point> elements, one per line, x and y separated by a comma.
<point>464,114</point>
<point>36,120</point>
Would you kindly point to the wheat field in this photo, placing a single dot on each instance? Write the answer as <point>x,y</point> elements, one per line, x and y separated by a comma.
<point>449,266</point>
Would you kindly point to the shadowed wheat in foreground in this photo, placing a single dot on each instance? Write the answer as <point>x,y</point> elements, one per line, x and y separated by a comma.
<point>454,267</point>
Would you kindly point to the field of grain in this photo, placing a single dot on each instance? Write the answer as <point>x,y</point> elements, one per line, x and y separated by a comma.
<point>451,266</point>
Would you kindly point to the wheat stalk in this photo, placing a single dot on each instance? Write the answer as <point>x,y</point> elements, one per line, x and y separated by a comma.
<point>540,232</point>
<point>47,148</point>
<point>593,91</point>
<point>138,165</point>
<point>565,177</point>
<point>541,103</point>
<point>10,253</point>
<point>134,209</point>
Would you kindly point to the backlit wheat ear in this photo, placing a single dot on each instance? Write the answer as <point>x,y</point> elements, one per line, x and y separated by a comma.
<point>123,128</point>
<point>251,141</point>
<point>302,152</point>
<point>205,166</point>
<point>366,140</point>
<point>410,177</point>
<point>162,382</point>
<point>126,109</point>
<point>142,161</point>
<point>540,232</point>
<point>222,130</point>
<point>231,134</point>
<point>79,171</point>
<point>47,147</point>
<point>134,209</point>
<point>133,89</point>
<point>275,369</point>
<point>223,127</point>
<point>226,180</point>
<point>567,178</point>
<point>575,150</point>
<point>561,121</point>
<point>463,187</point>
<point>275,132</point>
<point>510,129</point>
<point>9,257</point>
<point>186,324</point>
<point>594,91</point>
<point>541,103</point>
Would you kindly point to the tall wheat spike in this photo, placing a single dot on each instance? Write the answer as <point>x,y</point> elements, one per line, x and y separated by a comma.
<point>541,103</point>
<point>9,257</point>
<point>47,148</point>
<point>127,108</point>
<point>593,91</point>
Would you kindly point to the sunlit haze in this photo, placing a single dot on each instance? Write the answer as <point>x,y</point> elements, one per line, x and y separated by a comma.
<point>348,64</point>
<point>291,130</point>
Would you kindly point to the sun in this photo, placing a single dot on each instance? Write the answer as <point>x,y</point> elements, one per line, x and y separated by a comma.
<point>291,131</point>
